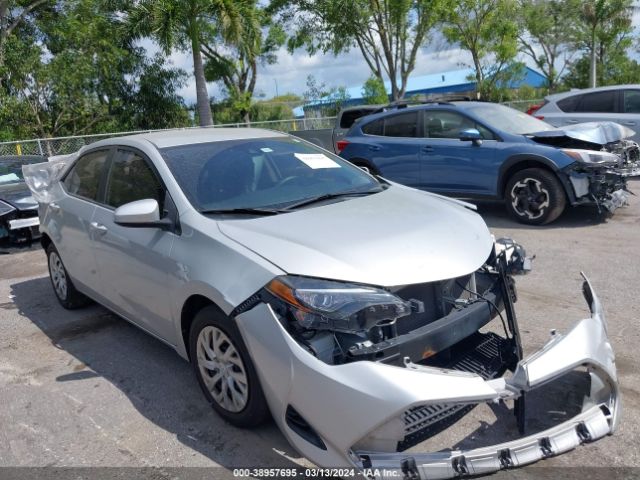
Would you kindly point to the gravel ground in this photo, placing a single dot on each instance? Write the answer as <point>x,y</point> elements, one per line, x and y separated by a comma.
<point>86,389</point>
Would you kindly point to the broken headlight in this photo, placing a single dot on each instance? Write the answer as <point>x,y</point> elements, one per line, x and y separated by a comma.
<point>328,305</point>
<point>592,157</point>
<point>5,208</point>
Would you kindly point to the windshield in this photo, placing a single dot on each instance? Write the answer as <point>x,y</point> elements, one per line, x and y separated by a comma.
<point>11,168</point>
<point>508,119</point>
<point>260,173</point>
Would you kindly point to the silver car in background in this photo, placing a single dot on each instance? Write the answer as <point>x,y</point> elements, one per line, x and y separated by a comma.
<point>362,315</point>
<point>619,103</point>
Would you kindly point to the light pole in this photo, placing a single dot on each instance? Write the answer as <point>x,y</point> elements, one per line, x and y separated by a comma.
<point>275,80</point>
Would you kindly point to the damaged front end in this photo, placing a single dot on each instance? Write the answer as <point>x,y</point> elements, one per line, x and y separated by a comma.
<point>357,376</point>
<point>604,160</point>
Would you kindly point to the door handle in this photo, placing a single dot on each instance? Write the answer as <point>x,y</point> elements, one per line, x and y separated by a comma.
<point>427,149</point>
<point>374,148</point>
<point>98,228</point>
<point>629,123</point>
<point>572,121</point>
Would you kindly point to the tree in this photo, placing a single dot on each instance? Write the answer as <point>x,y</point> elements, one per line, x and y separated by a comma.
<point>547,35</point>
<point>388,34</point>
<point>604,22</point>
<point>12,15</point>
<point>487,29</point>
<point>374,91</point>
<point>72,72</point>
<point>235,64</point>
<point>181,24</point>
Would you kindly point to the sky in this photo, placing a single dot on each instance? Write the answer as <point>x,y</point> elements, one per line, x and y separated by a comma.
<point>289,74</point>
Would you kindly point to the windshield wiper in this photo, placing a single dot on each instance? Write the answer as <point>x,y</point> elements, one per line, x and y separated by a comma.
<point>243,211</point>
<point>330,196</point>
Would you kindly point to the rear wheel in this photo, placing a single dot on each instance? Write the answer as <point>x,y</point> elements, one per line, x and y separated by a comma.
<point>535,196</point>
<point>224,369</point>
<point>65,290</point>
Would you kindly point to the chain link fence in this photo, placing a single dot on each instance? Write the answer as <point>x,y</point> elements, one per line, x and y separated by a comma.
<point>65,145</point>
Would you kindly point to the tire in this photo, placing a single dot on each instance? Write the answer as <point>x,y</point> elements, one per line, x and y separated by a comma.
<point>241,406</point>
<point>366,166</point>
<point>535,196</point>
<point>66,292</point>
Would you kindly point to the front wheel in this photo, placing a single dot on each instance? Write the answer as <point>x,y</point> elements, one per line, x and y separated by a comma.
<point>535,196</point>
<point>224,369</point>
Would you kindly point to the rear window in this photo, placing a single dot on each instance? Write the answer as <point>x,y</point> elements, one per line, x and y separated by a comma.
<point>600,102</point>
<point>349,117</point>
<point>569,104</point>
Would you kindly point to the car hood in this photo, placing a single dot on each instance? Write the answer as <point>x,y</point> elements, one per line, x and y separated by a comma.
<point>18,195</point>
<point>600,133</point>
<point>396,237</point>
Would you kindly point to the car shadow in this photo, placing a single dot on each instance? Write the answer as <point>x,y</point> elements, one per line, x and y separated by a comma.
<point>157,382</point>
<point>496,216</point>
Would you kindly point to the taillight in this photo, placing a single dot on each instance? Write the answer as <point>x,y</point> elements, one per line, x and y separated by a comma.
<point>533,108</point>
<point>341,144</point>
<point>539,117</point>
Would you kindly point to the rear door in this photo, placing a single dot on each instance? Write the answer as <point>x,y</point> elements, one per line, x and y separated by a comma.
<point>134,263</point>
<point>70,219</point>
<point>448,164</point>
<point>393,146</point>
<point>589,107</point>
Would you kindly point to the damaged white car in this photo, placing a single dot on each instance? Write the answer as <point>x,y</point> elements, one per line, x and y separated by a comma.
<point>362,315</point>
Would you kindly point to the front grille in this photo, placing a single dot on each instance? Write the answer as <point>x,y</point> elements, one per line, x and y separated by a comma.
<point>482,354</point>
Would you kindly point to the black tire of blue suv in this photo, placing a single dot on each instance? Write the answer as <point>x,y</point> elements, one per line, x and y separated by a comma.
<point>534,196</point>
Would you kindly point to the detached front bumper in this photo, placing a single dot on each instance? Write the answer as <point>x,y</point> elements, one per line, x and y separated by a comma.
<point>351,415</point>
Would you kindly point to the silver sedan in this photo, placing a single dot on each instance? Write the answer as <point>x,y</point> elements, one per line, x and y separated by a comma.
<point>360,314</point>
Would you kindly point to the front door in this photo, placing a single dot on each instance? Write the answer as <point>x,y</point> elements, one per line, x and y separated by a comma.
<point>449,165</point>
<point>135,263</point>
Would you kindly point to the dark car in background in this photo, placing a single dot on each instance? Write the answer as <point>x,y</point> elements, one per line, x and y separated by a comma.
<point>485,150</point>
<point>18,209</point>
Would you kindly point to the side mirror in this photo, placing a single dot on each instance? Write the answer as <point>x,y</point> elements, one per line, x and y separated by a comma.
<point>471,135</point>
<point>141,214</point>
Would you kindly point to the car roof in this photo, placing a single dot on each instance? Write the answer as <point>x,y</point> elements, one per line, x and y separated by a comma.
<point>424,106</point>
<point>173,138</point>
<point>580,91</point>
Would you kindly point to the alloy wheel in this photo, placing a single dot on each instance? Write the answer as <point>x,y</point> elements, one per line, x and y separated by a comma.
<point>529,198</point>
<point>58,275</point>
<point>222,369</point>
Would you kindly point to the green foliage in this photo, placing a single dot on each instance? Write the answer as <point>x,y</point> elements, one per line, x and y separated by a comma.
<point>487,29</point>
<point>388,34</point>
<point>73,72</point>
<point>548,32</point>
<point>235,64</point>
<point>374,91</point>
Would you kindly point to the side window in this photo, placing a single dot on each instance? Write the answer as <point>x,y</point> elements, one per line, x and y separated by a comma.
<point>373,128</point>
<point>569,104</point>
<point>131,179</point>
<point>603,102</point>
<point>83,179</point>
<point>446,124</point>
<point>402,125</point>
<point>632,101</point>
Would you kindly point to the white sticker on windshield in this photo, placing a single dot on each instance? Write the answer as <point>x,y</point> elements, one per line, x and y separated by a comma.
<point>10,177</point>
<point>316,160</point>
<point>266,150</point>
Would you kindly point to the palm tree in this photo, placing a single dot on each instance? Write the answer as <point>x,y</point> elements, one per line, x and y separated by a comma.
<point>182,24</point>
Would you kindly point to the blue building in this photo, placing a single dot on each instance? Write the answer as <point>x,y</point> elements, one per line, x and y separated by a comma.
<point>452,82</point>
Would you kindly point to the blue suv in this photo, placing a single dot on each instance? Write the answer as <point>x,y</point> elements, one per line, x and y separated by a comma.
<point>486,150</point>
